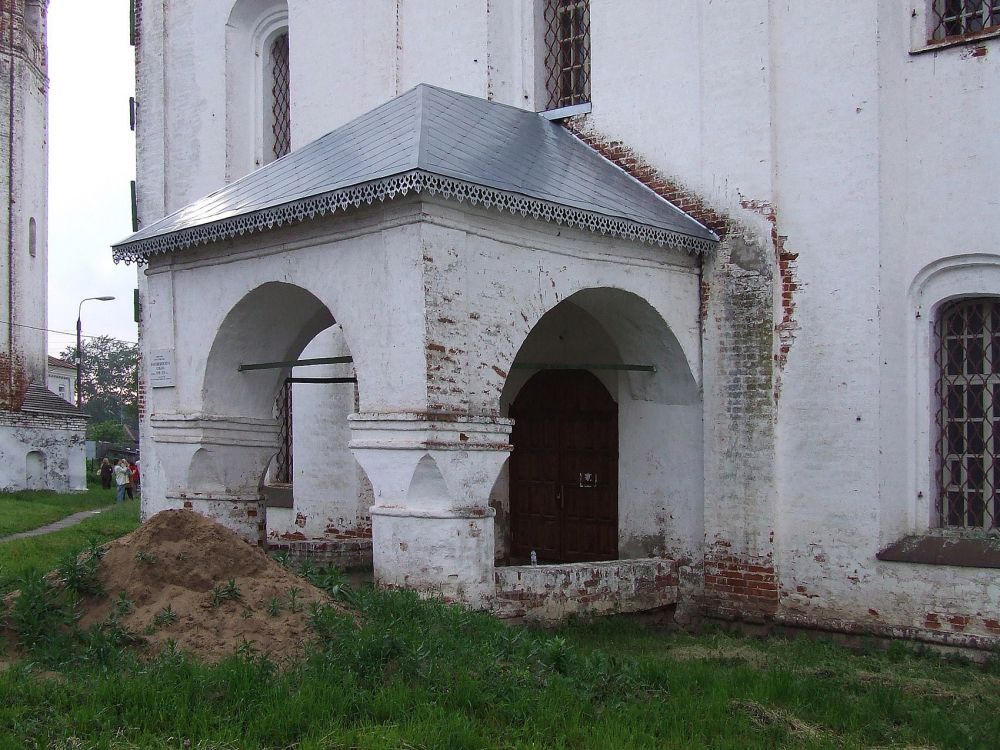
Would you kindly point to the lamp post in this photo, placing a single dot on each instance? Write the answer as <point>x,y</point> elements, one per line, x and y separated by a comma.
<point>79,349</point>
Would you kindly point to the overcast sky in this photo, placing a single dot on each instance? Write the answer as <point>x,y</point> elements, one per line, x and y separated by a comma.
<point>91,161</point>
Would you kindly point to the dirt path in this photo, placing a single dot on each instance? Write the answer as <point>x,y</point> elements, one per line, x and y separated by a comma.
<point>62,523</point>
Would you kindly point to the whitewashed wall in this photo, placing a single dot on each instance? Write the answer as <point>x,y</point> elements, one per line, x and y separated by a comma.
<point>826,135</point>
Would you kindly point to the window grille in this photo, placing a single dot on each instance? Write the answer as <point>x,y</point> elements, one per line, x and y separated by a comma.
<point>281,126</point>
<point>283,413</point>
<point>958,18</point>
<point>968,414</point>
<point>567,52</point>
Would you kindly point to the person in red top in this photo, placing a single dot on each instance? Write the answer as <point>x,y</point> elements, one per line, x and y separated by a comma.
<point>134,484</point>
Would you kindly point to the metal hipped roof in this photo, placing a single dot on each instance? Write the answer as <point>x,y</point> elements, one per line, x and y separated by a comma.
<point>449,144</point>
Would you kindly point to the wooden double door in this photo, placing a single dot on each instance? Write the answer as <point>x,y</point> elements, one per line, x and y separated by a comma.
<point>564,469</point>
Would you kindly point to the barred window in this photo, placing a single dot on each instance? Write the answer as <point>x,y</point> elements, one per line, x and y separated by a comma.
<point>281,123</point>
<point>567,52</point>
<point>968,413</point>
<point>282,472</point>
<point>957,18</point>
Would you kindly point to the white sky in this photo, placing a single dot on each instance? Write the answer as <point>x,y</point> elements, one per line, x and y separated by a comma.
<point>91,161</point>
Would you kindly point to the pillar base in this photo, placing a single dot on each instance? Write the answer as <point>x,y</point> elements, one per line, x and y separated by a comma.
<point>440,553</point>
<point>243,514</point>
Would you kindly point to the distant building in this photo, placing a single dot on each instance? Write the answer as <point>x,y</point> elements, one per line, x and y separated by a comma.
<point>62,379</point>
<point>41,434</point>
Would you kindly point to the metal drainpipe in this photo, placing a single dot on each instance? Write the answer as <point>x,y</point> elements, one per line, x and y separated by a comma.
<point>10,204</point>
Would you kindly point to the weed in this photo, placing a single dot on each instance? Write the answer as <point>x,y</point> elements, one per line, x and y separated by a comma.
<point>274,606</point>
<point>247,613</point>
<point>78,573</point>
<point>293,599</point>
<point>228,593</point>
<point>327,622</point>
<point>40,613</point>
<point>307,569</point>
<point>144,557</point>
<point>247,650</point>
<point>164,617</point>
<point>282,558</point>
<point>123,605</point>
<point>333,581</point>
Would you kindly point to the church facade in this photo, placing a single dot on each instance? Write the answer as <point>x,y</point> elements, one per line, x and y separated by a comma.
<point>556,306</point>
<point>41,434</point>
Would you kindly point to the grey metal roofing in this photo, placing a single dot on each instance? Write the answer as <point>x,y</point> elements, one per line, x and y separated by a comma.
<point>446,143</point>
<point>37,398</point>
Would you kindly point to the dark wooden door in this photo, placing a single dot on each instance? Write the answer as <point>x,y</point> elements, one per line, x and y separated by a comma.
<point>564,469</point>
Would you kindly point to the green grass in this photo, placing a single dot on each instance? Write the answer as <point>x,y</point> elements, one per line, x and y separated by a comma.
<point>420,674</point>
<point>21,511</point>
<point>46,551</point>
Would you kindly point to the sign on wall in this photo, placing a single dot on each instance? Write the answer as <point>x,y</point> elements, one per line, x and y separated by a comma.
<point>161,368</point>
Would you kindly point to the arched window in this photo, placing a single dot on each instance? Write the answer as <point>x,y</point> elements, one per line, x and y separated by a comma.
<point>278,100</point>
<point>967,335</point>
<point>567,52</point>
<point>258,85</point>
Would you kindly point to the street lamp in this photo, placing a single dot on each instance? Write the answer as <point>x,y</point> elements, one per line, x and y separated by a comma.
<point>79,349</point>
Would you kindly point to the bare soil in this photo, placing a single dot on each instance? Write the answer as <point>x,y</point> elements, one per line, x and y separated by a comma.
<point>181,577</point>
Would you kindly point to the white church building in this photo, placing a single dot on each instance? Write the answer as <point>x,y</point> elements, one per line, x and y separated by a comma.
<point>41,433</point>
<point>555,306</point>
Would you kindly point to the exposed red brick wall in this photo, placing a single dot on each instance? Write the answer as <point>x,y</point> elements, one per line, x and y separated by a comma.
<point>737,587</point>
<point>686,200</point>
<point>13,382</point>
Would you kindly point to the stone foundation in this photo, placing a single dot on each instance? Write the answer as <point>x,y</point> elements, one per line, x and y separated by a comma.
<point>554,592</point>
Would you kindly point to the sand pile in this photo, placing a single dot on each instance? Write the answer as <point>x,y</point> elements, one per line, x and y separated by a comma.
<point>181,577</point>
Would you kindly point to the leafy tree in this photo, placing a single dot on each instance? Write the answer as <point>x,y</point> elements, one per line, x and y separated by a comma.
<point>109,381</point>
<point>108,432</point>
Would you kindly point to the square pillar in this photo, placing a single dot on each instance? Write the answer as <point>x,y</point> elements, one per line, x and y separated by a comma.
<point>432,524</point>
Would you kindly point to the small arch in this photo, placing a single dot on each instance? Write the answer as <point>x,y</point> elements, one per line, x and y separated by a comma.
<point>427,487</point>
<point>32,237</point>
<point>34,471</point>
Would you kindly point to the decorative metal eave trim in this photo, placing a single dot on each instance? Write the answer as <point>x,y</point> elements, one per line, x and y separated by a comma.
<point>388,188</point>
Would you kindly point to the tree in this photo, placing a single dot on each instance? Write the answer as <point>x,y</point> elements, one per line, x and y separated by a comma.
<point>109,382</point>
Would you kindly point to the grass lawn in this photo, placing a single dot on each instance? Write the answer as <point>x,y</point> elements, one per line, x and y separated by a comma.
<point>21,511</point>
<point>420,674</point>
<point>46,551</point>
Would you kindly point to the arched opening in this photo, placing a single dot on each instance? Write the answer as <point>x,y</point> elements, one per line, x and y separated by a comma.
<point>301,463</point>
<point>34,470</point>
<point>607,440</point>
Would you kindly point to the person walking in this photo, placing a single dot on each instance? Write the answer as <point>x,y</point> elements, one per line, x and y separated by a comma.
<point>122,479</point>
<point>106,473</point>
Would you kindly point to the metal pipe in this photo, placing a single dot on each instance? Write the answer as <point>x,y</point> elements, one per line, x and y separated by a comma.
<point>321,380</point>
<point>295,363</point>
<point>584,366</point>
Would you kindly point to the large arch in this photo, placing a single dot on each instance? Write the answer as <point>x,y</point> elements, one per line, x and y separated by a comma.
<point>660,467</point>
<point>272,323</point>
<point>277,322</point>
